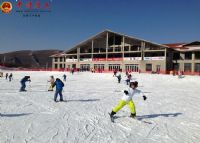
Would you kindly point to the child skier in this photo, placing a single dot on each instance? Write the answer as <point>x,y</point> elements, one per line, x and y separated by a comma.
<point>59,87</point>
<point>64,77</point>
<point>23,82</point>
<point>129,76</point>
<point>119,76</point>
<point>52,80</point>
<point>127,100</point>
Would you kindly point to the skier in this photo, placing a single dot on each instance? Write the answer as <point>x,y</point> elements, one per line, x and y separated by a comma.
<point>23,82</point>
<point>114,72</point>
<point>127,73</point>
<point>10,77</point>
<point>59,87</point>
<point>6,76</point>
<point>127,100</point>
<point>52,80</point>
<point>129,76</point>
<point>119,76</point>
<point>72,71</point>
<point>180,74</point>
<point>64,77</point>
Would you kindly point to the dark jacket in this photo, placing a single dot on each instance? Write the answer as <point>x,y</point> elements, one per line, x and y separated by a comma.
<point>59,84</point>
<point>25,79</point>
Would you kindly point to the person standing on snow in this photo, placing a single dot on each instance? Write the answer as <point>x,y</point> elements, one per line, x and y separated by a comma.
<point>6,76</point>
<point>119,76</point>
<point>114,73</point>
<point>64,77</point>
<point>59,87</point>
<point>52,80</point>
<point>129,76</point>
<point>23,82</point>
<point>10,77</point>
<point>127,100</point>
<point>72,71</point>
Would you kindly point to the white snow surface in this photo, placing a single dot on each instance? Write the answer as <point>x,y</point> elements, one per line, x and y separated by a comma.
<point>171,113</point>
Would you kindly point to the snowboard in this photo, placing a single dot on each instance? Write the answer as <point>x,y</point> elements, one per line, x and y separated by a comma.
<point>136,119</point>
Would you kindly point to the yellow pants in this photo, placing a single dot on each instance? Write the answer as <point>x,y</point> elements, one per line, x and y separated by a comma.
<point>122,103</point>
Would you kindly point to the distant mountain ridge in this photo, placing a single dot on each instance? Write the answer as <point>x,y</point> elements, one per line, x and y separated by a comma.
<point>28,58</point>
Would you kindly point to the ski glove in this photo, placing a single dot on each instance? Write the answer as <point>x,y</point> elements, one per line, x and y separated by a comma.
<point>126,92</point>
<point>144,97</point>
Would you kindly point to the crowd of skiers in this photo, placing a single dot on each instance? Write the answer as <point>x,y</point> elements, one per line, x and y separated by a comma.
<point>58,84</point>
<point>53,83</point>
<point>8,76</point>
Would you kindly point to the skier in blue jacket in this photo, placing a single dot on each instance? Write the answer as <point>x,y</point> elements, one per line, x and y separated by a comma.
<point>23,82</point>
<point>59,87</point>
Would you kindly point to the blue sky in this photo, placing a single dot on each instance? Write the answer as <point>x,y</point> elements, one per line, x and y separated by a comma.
<point>72,21</point>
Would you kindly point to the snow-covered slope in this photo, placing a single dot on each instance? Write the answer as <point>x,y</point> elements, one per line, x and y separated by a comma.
<point>171,113</point>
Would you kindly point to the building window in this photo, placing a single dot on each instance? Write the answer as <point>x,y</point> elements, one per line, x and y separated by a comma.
<point>176,56</point>
<point>61,66</point>
<point>117,49</point>
<point>84,67</point>
<point>187,67</point>
<point>126,48</point>
<point>176,66</point>
<point>56,66</point>
<point>154,54</point>
<point>110,49</point>
<point>188,56</point>
<point>56,59</point>
<point>197,55</point>
<point>135,48</point>
<point>113,67</point>
<point>132,67</point>
<point>99,67</point>
<point>61,59</point>
<point>197,67</point>
<point>148,67</point>
<point>99,50</point>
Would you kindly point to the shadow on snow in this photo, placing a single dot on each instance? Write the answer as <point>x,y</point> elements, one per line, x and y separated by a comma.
<point>14,115</point>
<point>83,100</point>
<point>158,115</point>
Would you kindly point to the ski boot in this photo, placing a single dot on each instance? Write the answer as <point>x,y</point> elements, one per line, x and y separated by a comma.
<point>133,115</point>
<point>112,114</point>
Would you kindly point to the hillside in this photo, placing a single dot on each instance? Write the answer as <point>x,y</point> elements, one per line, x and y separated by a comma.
<point>28,58</point>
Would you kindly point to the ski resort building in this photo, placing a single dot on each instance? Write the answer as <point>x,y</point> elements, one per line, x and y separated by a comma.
<point>108,51</point>
<point>185,57</point>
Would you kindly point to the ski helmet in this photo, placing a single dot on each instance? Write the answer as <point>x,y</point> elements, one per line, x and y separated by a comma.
<point>135,83</point>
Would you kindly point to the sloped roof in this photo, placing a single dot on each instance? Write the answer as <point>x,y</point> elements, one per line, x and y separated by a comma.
<point>195,43</point>
<point>175,45</point>
<point>104,32</point>
<point>193,46</point>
